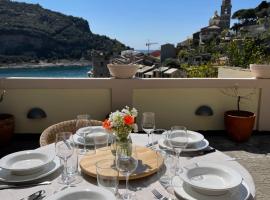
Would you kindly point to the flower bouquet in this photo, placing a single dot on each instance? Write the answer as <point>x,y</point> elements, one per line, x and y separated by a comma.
<point>121,125</point>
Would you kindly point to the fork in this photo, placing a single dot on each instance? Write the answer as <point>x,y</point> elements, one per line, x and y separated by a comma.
<point>158,195</point>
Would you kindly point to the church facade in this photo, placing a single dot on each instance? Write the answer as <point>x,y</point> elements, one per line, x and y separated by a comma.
<point>217,23</point>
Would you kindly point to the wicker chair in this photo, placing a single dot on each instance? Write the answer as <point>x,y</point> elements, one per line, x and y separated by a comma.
<point>48,135</point>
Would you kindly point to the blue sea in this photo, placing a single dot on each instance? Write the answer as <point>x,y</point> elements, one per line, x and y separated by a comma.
<point>54,72</point>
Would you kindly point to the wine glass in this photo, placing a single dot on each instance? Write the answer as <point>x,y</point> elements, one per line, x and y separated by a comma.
<point>82,122</point>
<point>64,150</point>
<point>178,140</point>
<point>126,163</point>
<point>148,123</point>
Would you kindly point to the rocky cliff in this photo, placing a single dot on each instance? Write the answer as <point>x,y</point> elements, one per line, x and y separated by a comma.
<point>28,31</point>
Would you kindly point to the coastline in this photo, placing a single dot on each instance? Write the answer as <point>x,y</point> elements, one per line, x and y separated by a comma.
<point>44,64</point>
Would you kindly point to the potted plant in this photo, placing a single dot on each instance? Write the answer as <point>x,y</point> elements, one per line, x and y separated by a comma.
<point>260,70</point>
<point>6,125</point>
<point>239,123</point>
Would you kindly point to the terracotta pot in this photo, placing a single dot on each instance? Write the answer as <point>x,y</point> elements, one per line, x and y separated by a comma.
<point>6,128</point>
<point>239,124</point>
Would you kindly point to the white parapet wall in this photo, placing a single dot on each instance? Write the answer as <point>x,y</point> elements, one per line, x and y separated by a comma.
<point>173,100</point>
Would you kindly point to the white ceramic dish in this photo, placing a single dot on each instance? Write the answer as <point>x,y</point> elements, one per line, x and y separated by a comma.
<point>82,193</point>
<point>7,177</point>
<point>26,162</point>
<point>191,148</point>
<point>89,139</point>
<point>90,129</point>
<point>211,178</point>
<point>193,138</point>
<point>184,191</point>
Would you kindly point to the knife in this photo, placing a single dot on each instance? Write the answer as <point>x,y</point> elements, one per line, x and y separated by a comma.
<point>2,187</point>
<point>35,196</point>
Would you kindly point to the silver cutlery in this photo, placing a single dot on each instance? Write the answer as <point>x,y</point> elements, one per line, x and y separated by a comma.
<point>35,196</point>
<point>152,144</point>
<point>2,187</point>
<point>158,195</point>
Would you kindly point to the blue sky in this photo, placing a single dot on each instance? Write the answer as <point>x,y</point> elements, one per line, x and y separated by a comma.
<point>133,22</point>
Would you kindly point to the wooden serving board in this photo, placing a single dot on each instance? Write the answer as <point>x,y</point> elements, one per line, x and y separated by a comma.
<point>149,163</point>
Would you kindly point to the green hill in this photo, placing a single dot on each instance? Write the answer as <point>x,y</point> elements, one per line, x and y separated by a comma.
<point>28,31</point>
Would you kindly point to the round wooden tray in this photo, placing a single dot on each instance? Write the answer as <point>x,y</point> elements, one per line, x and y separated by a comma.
<point>149,162</point>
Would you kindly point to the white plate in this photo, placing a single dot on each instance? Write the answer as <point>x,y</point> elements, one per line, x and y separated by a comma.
<point>191,148</point>
<point>79,140</point>
<point>26,162</point>
<point>82,193</point>
<point>183,190</point>
<point>193,138</point>
<point>90,130</point>
<point>7,177</point>
<point>211,178</point>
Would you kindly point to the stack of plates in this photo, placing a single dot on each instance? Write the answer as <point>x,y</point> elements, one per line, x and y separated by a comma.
<point>26,166</point>
<point>196,142</point>
<point>90,132</point>
<point>207,181</point>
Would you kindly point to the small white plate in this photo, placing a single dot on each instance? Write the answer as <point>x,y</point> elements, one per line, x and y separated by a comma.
<point>82,193</point>
<point>26,162</point>
<point>7,177</point>
<point>211,178</point>
<point>89,139</point>
<point>90,130</point>
<point>191,148</point>
<point>183,190</point>
<point>193,138</point>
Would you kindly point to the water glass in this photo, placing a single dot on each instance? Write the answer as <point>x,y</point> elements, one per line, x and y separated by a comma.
<point>64,150</point>
<point>148,123</point>
<point>168,170</point>
<point>107,175</point>
<point>178,140</point>
<point>82,122</point>
<point>101,142</point>
<point>127,163</point>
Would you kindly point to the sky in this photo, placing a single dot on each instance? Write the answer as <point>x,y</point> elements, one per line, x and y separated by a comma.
<point>134,22</point>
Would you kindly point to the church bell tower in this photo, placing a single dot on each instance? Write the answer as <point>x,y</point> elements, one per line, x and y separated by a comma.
<point>226,12</point>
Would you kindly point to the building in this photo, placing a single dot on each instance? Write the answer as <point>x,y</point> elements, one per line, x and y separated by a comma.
<point>167,51</point>
<point>217,24</point>
<point>99,63</point>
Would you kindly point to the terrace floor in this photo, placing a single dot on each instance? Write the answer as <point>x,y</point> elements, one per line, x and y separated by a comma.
<point>254,155</point>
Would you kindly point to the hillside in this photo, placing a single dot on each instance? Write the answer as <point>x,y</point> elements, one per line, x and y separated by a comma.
<point>30,32</point>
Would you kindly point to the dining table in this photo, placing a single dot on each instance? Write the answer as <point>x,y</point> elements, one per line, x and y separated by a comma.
<point>143,187</point>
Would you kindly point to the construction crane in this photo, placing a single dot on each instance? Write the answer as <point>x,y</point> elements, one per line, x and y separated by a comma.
<point>149,44</point>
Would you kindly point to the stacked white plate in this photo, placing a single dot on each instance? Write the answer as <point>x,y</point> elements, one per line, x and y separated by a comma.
<point>90,132</point>
<point>28,165</point>
<point>196,141</point>
<point>210,181</point>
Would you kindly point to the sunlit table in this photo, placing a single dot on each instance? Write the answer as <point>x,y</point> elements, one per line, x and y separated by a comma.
<point>144,186</point>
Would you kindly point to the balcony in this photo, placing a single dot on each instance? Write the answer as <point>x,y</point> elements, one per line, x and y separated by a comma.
<point>174,100</point>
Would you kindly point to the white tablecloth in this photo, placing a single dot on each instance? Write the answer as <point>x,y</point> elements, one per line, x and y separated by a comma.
<point>144,186</point>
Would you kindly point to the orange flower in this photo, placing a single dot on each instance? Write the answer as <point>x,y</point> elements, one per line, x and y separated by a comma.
<point>106,124</point>
<point>129,120</point>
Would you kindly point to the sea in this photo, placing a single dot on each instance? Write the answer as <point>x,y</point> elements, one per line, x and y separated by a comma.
<point>50,71</point>
<point>47,72</point>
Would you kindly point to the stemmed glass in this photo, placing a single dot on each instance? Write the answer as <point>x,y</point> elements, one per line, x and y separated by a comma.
<point>178,140</point>
<point>64,150</point>
<point>83,121</point>
<point>126,163</point>
<point>148,123</point>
